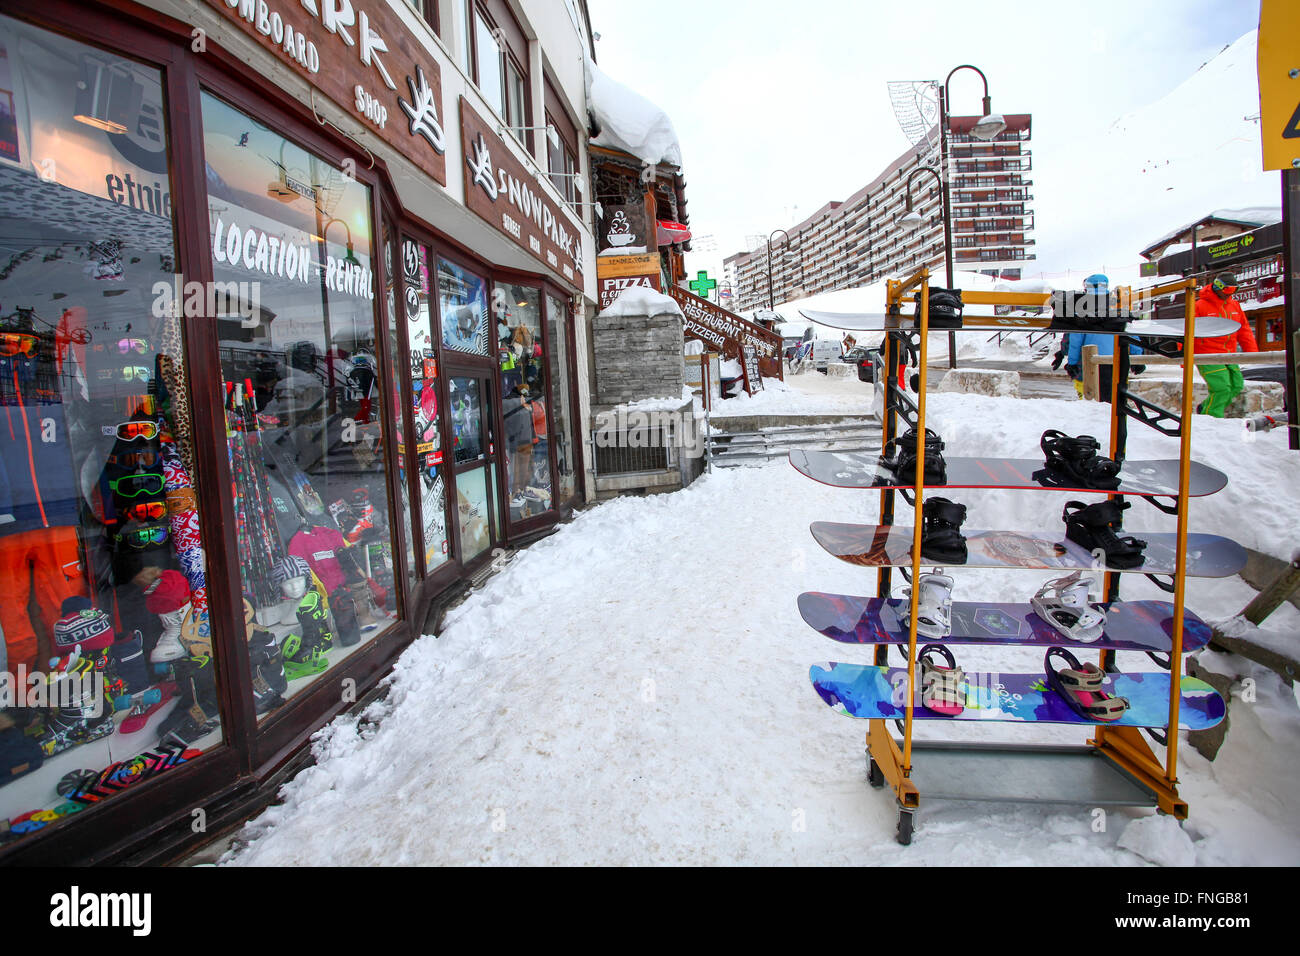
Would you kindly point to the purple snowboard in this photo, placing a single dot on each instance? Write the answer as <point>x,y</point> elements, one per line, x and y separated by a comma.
<point>1130,625</point>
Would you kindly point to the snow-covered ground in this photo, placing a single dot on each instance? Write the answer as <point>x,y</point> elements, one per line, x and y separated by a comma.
<point>633,690</point>
<point>808,393</point>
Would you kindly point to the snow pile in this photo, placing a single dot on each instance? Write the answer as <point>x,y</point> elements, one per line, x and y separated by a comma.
<point>810,393</point>
<point>1159,840</point>
<point>638,717</point>
<point>629,122</point>
<point>655,404</point>
<point>639,300</point>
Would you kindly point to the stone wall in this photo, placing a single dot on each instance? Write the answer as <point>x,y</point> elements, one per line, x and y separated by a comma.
<point>1258,396</point>
<point>637,357</point>
<point>982,381</point>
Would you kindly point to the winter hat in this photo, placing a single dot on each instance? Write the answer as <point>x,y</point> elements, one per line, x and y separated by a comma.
<point>91,628</point>
<point>170,592</point>
<point>71,605</point>
<point>1225,283</point>
<point>286,569</point>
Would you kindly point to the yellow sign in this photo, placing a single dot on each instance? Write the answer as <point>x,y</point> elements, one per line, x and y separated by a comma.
<point>1278,63</point>
<point>612,266</point>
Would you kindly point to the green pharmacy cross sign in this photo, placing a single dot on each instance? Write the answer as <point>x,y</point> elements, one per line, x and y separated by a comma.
<point>702,285</point>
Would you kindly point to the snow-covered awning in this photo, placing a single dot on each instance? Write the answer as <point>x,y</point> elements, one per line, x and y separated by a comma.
<point>629,122</point>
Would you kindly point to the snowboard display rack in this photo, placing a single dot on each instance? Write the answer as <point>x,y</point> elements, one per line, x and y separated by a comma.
<point>1115,766</point>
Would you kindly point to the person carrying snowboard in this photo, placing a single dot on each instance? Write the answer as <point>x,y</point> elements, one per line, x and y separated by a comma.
<point>1225,382</point>
<point>1096,284</point>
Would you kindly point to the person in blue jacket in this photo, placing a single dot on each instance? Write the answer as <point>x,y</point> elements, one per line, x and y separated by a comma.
<point>1098,284</point>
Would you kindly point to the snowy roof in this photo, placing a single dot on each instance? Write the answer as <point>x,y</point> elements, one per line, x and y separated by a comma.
<point>629,122</point>
<point>1252,216</point>
<point>638,300</point>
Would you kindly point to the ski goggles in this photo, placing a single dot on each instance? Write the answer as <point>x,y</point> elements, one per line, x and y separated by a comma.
<point>142,537</point>
<point>15,343</point>
<point>134,431</point>
<point>133,486</point>
<point>132,372</point>
<point>146,510</point>
<point>127,346</point>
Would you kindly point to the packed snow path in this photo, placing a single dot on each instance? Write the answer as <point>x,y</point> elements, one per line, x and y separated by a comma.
<point>633,690</point>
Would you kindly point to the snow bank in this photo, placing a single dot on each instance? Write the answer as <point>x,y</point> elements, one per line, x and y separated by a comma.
<point>639,300</point>
<point>630,122</point>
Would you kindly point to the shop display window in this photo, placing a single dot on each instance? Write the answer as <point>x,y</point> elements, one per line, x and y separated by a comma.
<point>292,247</point>
<point>106,663</point>
<point>522,364</point>
<point>462,308</point>
<point>565,468</point>
<point>391,287</point>
<point>424,402</point>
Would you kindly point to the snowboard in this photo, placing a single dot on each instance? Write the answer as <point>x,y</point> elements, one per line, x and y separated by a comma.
<point>1130,625</point>
<point>865,690</point>
<point>877,546</point>
<point>1205,327</point>
<point>863,470</point>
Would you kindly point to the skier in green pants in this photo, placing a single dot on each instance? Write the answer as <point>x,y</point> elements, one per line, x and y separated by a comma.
<point>1225,382</point>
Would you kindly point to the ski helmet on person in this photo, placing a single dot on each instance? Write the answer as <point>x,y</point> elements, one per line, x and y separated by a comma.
<point>1097,282</point>
<point>1225,284</point>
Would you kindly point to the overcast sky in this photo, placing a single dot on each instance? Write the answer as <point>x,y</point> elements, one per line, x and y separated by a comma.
<point>781,107</point>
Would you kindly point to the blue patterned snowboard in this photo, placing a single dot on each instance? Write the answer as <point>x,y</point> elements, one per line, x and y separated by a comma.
<point>864,690</point>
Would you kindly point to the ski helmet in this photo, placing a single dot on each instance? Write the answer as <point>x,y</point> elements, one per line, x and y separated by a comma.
<point>1097,282</point>
<point>1225,284</point>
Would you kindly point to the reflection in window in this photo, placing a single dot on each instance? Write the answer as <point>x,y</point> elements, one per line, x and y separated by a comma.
<point>306,442</point>
<point>103,591</point>
<point>564,463</point>
<point>462,303</point>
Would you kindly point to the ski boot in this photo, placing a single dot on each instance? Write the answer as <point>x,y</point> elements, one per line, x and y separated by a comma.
<point>1063,603</point>
<point>1080,687</point>
<point>934,605</point>
<point>345,616</point>
<point>267,665</point>
<point>1093,527</point>
<point>941,538</point>
<point>128,663</point>
<point>942,689</point>
<point>945,308</point>
<point>1074,461</point>
<point>82,716</point>
<point>197,712</point>
<point>900,457</point>
<point>314,618</point>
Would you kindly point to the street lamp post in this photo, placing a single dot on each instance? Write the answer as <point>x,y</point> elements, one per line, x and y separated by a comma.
<point>771,299</point>
<point>989,126</point>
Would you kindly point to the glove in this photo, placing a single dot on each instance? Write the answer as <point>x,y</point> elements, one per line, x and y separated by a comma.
<point>1074,372</point>
<point>1057,359</point>
<point>1137,369</point>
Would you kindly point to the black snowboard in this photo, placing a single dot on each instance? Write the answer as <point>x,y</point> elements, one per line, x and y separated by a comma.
<point>863,470</point>
<point>876,546</point>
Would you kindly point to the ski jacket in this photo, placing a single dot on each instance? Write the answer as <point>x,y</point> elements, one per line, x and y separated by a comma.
<point>1208,303</point>
<point>539,420</point>
<point>1105,346</point>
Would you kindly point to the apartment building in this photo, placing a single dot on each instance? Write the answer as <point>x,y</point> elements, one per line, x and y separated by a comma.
<point>859,240</point>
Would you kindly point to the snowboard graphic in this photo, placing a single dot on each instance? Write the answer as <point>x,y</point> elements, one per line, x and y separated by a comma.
<point>1130,625</point>
<point>861,690</point>
<point>1205,327</point>
<point>863,470</point>
<point>875,546</point>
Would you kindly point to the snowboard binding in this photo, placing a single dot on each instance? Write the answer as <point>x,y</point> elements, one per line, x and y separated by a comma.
<point>1094,526</point>
<point>942,688</point>
<point>941,538</point>
<point>945,308</point>
<point>1080,686</point>
<point>900,458</point>
<point>1075,461</point>
<point>1063,603</point>
<point>934,605</point>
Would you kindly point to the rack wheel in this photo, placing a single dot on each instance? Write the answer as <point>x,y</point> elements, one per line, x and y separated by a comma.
<point>874,776</point>
<point>905,826</point>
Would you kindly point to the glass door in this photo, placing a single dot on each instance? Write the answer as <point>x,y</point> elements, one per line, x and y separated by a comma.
<point>473,447</point>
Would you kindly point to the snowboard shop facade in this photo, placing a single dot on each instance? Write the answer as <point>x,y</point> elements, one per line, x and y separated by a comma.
<point>290,297</point>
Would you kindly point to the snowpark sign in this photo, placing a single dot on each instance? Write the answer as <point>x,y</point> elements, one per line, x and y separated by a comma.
<point>505,194</point>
